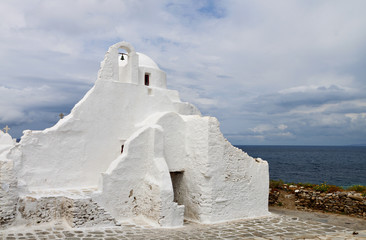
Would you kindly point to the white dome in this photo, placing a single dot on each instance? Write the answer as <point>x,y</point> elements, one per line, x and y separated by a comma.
<point>145,61</point>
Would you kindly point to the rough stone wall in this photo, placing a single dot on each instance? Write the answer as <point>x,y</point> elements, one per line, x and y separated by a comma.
<point>339,202</point>
<point>273,197</point>
<point>8,193</point>
<point>77,212</point>
<point>41,210</point>
<point>350,203</point>
<point>86,213</point>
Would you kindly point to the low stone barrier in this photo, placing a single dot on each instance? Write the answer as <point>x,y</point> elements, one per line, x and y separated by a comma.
<point>350,203</point>
<point>77,212</point>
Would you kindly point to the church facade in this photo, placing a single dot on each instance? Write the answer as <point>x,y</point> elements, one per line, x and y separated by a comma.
<point>130,150</point>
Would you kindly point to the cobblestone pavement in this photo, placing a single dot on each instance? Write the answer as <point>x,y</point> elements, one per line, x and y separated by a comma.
<point>272,227</point>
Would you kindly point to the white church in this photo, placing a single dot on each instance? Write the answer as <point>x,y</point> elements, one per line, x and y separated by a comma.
<point>130,150</point>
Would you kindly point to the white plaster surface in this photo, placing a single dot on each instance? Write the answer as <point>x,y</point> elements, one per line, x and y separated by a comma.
<point>8,183</point>
<point>6,142</point>
<point>175,163</point>
<point>5,139</point>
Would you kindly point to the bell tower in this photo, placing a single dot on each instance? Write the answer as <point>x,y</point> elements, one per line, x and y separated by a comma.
<point>120,64</point>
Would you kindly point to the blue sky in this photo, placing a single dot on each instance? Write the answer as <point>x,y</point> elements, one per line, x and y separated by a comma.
<point>272,72</point>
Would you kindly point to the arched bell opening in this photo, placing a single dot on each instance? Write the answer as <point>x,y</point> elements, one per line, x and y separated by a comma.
<point>126,58</point>
<point>122,57</point>
<point>124,64</point>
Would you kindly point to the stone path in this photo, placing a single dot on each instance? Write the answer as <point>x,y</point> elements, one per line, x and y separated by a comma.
<point>277,226</point>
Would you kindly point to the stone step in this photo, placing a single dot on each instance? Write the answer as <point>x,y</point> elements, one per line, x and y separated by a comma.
<point>76,193</point>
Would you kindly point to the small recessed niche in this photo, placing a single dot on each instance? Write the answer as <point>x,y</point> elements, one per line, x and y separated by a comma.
<point>147,79</point>
<point>122,142</point>
<point>122,147</point>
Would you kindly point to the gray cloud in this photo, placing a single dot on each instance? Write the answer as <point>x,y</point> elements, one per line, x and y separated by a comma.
<point>256,65</point>
<point>310,97</point>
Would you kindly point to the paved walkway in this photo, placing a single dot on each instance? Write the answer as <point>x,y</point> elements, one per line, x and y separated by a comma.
<point>278,226</point>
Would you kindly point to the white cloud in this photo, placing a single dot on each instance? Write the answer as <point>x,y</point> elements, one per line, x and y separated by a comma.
<point>356,116</point>
<point>282,127</point>
<point>262,128</point>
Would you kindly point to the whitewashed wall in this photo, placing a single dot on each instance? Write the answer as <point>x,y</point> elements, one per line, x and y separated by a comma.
<point>176,164</point>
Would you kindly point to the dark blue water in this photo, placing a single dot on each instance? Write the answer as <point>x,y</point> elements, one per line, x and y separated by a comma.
<point>341,166</point>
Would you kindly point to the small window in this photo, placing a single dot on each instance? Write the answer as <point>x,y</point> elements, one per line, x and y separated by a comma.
<point>122,148</point>
<point>147,79</point>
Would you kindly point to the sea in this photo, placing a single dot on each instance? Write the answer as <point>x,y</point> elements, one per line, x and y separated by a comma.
<point>336,165</point>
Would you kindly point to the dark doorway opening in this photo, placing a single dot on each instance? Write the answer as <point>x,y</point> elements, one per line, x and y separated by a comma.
<point>122,148</point>
<point>177,182</point>
<point>147,79</point>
